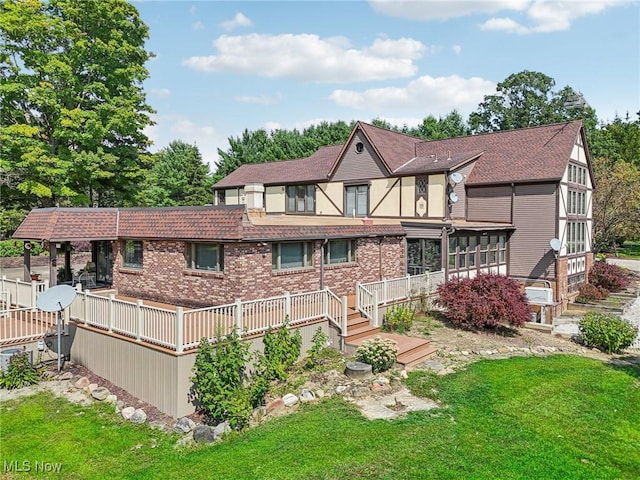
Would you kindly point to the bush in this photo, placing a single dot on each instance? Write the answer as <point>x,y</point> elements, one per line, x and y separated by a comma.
<point>607,332</point>
<point>399,318</point>
<point>590,293</point>
<point>378,352</point>
<point>319,343</point>
<point>20,372</point>
<point>281,351</point>
<point>219,380</point>
<point>15,248</point>
<point>608,276</point>
<point>485,301</point>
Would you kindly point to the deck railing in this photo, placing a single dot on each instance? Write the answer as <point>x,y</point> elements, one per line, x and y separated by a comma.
<point>22,294</point>
<point>370,296</point>
<point>24,324</point>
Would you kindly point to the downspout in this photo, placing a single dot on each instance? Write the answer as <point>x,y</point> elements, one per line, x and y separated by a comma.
<point>322,246</point>
<point>380,257</point>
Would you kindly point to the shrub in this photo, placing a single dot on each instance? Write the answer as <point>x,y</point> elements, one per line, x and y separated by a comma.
<point>590,293</point>
<point>607,332</point>
<point>15,248</point>
<point>319,343</point>
<point>399,318</point>
<point>485,301</point>
<point>281,351</point>
<point>219,380</point>
<point>20,373</point>
<point>378,352</point>
<point>608,276</point>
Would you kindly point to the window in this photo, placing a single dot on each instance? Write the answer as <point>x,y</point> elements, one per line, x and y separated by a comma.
<point>356,200</point>
<point>577,175</point>
<point>285,256</point>
<point>576,237</point>
<point>301,199</point>
<point>484,245</point>
<point>423,255</point>
<point>577,203</point>
<point>340,251</point>
<point>502,248</point>
<point>221,196</point>
<point>132,254</point>
<point>205,256</point>
<point>473,244</point>
<point>359,147</point>
<point>453,244</point>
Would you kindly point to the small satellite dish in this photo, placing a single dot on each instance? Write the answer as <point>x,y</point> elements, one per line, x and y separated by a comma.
<point>453,196</point>
<point>56,299</point>
<point>456,177</point>
<point>555,244</point>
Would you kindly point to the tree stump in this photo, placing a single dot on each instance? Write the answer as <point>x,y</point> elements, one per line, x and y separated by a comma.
<point>358,370</point>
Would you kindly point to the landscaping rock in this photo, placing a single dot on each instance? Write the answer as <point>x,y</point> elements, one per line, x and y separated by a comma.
<point>184,425</point>
<point>259,413</point>
<point>290,400</point>
<point>376,387</point>
<point>158,425</point>
<point>48,375</point>
<point>340,389</point>
<point>204,434</point>
<point>128,412</point>
<point>92,387</point>
<point>320,393</point>
<point>82,382</point>
<point>222,429</point>
<point>139,416</point>
<point>307,396</point>
<point>111,398</point>
<point>184,441</point>
<point>382,381</point>
<point>100,393</point>
<point>66,376</point>
<point>404,374</point>
<point>275,406</point>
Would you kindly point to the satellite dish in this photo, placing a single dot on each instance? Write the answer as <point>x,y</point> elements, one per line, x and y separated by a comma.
<point>555,244</point>
<point>56,299</point>
<point>453,196</point>
<point>456,177</point>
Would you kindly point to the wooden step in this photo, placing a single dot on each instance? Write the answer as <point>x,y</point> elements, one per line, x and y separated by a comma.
<point>351,301</point>
<point>353,314</point>
<point>361,332</point>
<point>356,322</point>
<point>411,350</point>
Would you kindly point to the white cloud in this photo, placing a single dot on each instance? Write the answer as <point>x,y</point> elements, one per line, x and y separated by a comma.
<point>542,16</point>
<point>309,58</point>
<point>239,20</point>
<point>160,92</point>
<point>443,9</point>
<point>457,49</point>
<point>198,25</point>
<point>426,94</point>
<point>260,100</point>
<point>179,127</point>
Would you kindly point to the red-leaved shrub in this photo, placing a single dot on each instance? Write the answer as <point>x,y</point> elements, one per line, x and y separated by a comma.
<point>590,293</point>
<point>608,276</point>
<point>485,301</point>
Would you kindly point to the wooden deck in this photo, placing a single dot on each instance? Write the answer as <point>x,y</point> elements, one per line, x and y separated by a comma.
<point>25,325</point>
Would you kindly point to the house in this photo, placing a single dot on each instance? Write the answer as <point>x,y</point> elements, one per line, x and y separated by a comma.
<point>382,205</point>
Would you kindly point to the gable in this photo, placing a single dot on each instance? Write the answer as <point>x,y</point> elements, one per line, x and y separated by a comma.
<point>356,164</point>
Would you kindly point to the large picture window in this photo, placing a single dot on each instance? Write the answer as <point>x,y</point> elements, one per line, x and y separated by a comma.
<point>340,251</point>
<point>132,254</point>
<point>576,237</point>
<point>473,251</point>
<point>205,256</point>
<point>356,200</point>
<point>286,256</point>
<point>301,199</point>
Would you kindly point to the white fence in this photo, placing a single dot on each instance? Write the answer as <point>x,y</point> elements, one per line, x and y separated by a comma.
<point>182,329</point>
<point>370,296</point>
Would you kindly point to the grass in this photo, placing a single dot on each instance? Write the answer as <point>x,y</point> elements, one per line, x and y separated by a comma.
<point>630,250</point>
<point>558,417</point>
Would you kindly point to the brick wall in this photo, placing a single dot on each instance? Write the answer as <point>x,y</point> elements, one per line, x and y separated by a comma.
<point>248,273</point>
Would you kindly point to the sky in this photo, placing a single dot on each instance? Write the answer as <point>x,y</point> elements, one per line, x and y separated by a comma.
<point>221,67</point>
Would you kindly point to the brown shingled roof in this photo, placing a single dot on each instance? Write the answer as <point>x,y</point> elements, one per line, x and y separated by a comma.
<point>528,154</point>
<point>317,232</point>
<point>182,223</point>
<point>395,149</point>
<point>69,224</point>
<point>303,170</point>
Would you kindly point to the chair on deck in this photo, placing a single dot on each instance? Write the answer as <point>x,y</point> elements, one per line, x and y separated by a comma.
<point>87,276</point>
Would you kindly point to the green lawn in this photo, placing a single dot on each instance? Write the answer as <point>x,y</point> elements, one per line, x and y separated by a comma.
<point>559,417</point>
<point>630,250</point>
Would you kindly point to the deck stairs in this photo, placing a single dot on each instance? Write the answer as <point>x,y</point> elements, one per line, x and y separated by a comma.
<point>411,350</point>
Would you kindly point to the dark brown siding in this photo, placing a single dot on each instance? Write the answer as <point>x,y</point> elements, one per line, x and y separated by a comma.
<point>423,232</point>
<point>458,209</point>
<point>359,166</point>
<point>489,204</point>
<point>534,216</point>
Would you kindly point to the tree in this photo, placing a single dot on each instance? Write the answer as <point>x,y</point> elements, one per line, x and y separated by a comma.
<point>616,202</point>
<point>451,125</point>
<point>72,105</point>
<point>178,177</point>
<point>528,99</point>
<point>262,146</point>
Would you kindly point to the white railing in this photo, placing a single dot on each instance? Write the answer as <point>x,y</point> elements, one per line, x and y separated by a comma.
<point>370,296</point>
<point>336,310</point>
<point>22,324</point>
<point>22,294</point>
